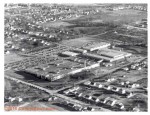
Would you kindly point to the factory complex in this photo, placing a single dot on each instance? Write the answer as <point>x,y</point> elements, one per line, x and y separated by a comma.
<point>58,70</point>
<point>77,61</point>
<point>98,46</point>
<point>73,57</point>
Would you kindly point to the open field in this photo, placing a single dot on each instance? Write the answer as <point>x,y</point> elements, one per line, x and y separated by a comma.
<point>118,17</point>
<point>9,58</point>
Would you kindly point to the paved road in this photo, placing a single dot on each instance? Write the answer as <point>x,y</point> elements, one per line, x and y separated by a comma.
<point>44,89</point>
<point>135,27</point>
<point>128,35</point>
<point>29,84</point>
<point>52,93</point>
<point>82,81</point>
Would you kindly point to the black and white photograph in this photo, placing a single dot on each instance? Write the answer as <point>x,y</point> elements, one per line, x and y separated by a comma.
<point>90,57</point>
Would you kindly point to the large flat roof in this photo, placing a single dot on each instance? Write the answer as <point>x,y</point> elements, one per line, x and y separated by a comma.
<point>53,70</point>
<point>96,45</point>
<point>96,56</point>
<point>69,53</point>
<point>111,53</point>
<point>106,58</point>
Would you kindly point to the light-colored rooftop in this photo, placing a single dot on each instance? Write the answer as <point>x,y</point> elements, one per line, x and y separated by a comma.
<point>69,53</point>
<point>97,46</point>
<point>55,70</point>
<point>111,53</point>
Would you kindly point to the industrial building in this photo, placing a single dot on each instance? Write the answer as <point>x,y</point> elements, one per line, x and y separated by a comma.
<point>55,71</point>
<point>82,60</point>
<point>84,69</point>
<point>79,50</point>
<point>69,53</point>
<point>113,53</point>
<point>102,52</point>
<point>97,46</point>
<point>107,55</point>
<point>96,57</point>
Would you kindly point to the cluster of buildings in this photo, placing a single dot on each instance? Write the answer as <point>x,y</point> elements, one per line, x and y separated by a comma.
<point>25,25</point>
<point>128,6</point>
<point>136,66</point>
<point>111,88</point>
<point>59,69</point>
<point>20,36</point>
<point>101,51</point>
<point>55,12</point>
<point>77,61</point>
<point>104,93</point>
<point>108,101</point>
<point>142,23</point>
<point>126,84</point>
<point>78,107</point>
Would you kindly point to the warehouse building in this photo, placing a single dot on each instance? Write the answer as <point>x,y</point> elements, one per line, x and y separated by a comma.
<point>79,50</point>
<point>113,53</point>
<point>108,57</point>
<point>96,56</point>
<point>83,60</point>
<point>103,53</point>
<point>84,69</point>
<point>53,72</point>
<point>97,46</point>
<point>69,53</point>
